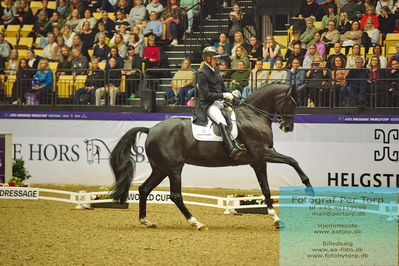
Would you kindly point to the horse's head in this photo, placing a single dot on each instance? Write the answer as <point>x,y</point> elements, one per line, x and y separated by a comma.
<point>285,108</point>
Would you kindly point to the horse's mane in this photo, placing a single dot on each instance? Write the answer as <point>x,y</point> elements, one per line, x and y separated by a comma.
<point>266,93</point>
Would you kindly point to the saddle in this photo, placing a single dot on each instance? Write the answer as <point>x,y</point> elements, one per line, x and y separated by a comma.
<point>211,131</point>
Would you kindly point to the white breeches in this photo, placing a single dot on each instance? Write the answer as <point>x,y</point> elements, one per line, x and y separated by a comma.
<point>215,114</point>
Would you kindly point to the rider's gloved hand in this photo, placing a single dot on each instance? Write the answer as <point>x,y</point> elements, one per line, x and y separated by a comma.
<point>236,94</point>
<point>228,96</point>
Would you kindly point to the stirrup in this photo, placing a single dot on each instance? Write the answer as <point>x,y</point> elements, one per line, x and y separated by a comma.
<point>237,151</point>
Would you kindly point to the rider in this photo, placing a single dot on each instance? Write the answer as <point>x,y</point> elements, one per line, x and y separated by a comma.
<point>213,91</point>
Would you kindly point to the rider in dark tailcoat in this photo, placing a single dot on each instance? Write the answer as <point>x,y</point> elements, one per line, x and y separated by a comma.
<point>212,92</point>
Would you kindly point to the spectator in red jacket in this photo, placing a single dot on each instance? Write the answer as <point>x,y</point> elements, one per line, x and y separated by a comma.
<point>152,53</point>
<point>370,14</point>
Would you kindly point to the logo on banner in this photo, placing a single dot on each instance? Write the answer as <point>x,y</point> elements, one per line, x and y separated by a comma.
<point>386,138</point>
<point>96,150</point>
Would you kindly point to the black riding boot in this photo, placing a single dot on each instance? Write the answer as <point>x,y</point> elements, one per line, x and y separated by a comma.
<point>233,147</point>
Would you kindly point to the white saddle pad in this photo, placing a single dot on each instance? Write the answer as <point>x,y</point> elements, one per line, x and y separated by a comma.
<point>206,133</point>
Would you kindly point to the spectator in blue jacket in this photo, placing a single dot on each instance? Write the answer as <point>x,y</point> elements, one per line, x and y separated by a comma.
<point>154,27</point>
<point>101,50</point>
<point>42,80</point>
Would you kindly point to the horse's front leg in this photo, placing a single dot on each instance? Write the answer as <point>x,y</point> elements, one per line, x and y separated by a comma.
<point>261,174</point>
<point>275,157</point>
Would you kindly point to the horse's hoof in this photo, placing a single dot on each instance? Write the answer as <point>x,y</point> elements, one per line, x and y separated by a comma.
<point>202,227</point>
<point>147,223</point>
<point>278,225</point>
<point>197,225</point>
<point>309,191</point>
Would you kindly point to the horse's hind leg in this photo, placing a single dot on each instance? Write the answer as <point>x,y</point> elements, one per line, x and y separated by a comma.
<point>145,189</point>
<point>261,175</point>
<point>275,157</point>
<point>177,198</point>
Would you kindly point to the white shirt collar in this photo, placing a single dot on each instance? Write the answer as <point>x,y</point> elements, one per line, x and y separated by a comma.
<point>211,67</point>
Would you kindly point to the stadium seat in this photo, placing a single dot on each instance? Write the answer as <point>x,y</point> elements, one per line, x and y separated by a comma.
<point>22,53</point>
<point>111,16</point>
<point>97,15</point>
<point>317,24</point>
<point>12,31</point>
<point>282,40</point>
<point>391,40</point>
<point>266,65</point>
<point>12,40</point>
<point>35,6</point>
<point>52,5</point>
<point>371,53</point>
<point>26,41</point>
<point>283,52</point>
<point>390,52</point>
<point>101,65</point>
<point>90,52</point>
<point>65,86</point>
<point>9,84</point>
<point>332,51</point>
<point>80,82</point>
<point>25,30</point>
<point>38,52</point>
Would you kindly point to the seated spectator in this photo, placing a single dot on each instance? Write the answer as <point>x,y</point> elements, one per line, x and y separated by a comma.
<point>295,40</point>
<point>338,80</point>
<point>79,64</point>
<point>47,11</point>
<point>192,9</point>
<point>24,13</point>
<point>353,36</point>
<point>222,55</point>
<point>384,3</point>
<point>373,34</point>
<point>377,51</point>
<point>64,62</point>
<point>108,23</point>
<point>73,20</point>
<point>39,29</point>
<point>240,77</point>
<point>315,90</point>
<point>95,79</point>
<point>182,86</point>
<point>101,50</point>
<point>255,50</point>
<point>33,60</point>
<point>60,45</point>
<point>259,79</point>
<point>55,21</point>
<point>351,59</point>
<point>22,83</point>
<point>377,78</point>
<point>353,10</point>
<point>172,17</point>
<point>225,71</point>
<point>392,92</point>
<point>152,54</point>
<point>331,15</point>
<point>120,44</point>
<point>87,17</point>
<point>92,5</point>
<point>238,41</point>
<point>309,9</point>
<point>235,18</point>
<point>76,43</point>
<point>344,24</point>
<point>240,56</point>
<point>357,80</point>
<point>311,53</point>
<point>296,54</point>
<point>223,40</point>
<point>309,32</point>
<point>120,20</point>
<point>63,9</point>
<point>4,52</point>
<point>271,50</point>
<point>13,62</point>
<point>330,37</point>
<point>42,80</point>
<point>87,38</point>
<point>387,21</point>
<point>138,46</point>
<point>49,50</point>
<point>137,30</point>
<point>154,27</point>
<point>114,52</point>
<point>395,56</point>
<point>337,52</point>
<point>109,5</point>
<point>101,30</point>
<point>137,13</point>
<point>370,15</point>
<point>57,32</point>
<point>319,44</point>
<point>278,75</point>
<point>124,6</point>
<point>296,76</point>
<point>112,83</point>
<point>325,4</point>
<point>131,69</point>
<point>154,6</point>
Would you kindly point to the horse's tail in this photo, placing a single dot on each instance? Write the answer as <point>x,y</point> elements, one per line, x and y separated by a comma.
<point>123,164</point>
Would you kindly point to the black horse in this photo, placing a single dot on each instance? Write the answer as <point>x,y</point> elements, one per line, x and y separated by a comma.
<point>170,144</point>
